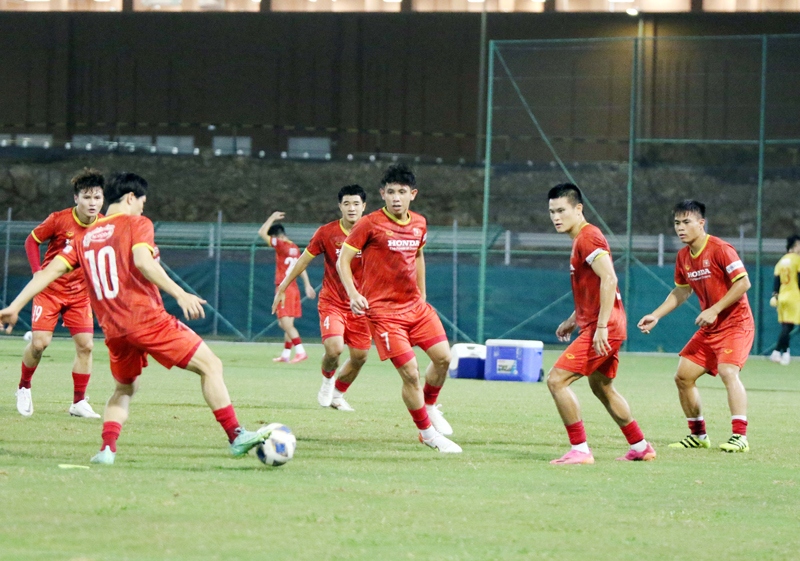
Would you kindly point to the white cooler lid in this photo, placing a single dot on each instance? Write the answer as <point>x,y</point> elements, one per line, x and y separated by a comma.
<point>514,343</point>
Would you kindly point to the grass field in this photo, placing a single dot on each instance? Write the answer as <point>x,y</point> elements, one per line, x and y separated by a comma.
<point>362,487</point>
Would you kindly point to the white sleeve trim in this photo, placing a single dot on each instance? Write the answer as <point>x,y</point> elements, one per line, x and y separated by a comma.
<point>595,254</point>
<point>733,266</point>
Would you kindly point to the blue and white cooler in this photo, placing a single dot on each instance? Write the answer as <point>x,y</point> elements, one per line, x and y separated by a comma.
<point>467,361</point>
<point>514,360</point>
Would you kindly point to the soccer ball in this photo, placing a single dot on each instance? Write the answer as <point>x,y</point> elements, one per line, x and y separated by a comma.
<point>279,447</point>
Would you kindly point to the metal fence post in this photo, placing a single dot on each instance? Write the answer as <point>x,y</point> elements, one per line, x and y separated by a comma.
<point>217,271</point>
<point>5,263</point>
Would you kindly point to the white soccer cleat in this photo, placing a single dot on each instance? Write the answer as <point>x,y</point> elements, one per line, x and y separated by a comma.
<point>786,358</point>
<point>340,404</point>
<point>24,402</point>
<point>325,394</point>
<point>83,409</point>
<point>442,444</point>
<point>438,421</point>
<point>104,457</point>
<point>775,356</point>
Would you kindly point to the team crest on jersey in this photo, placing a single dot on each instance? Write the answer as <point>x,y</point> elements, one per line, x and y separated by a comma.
<point>70,234</point>
<point>706,263</point>
<point>570,356</point>
<point>337,244</point>
<point>293,251</point>
<point>389,233</point>
<point>417,232</point>
<point>98,235</point>
<point>688,267</point>
<point>727,351</point>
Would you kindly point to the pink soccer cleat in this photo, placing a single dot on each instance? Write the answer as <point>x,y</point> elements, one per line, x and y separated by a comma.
<point>298,358</point>
<point>644,456</point>
<point>280,359</point>
<point>574,457</point>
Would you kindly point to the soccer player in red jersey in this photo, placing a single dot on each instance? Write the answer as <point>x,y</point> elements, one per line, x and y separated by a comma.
<point>119,260</point>
<point>338,324</point>
<point>392,296</point>
<point>286,255</point>
<point>711,268</point>
<point>600,317</point>
<point>67,297</point>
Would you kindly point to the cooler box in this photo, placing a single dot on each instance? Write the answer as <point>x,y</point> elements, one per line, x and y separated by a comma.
<point>514,360</point>
<point>467,361</point>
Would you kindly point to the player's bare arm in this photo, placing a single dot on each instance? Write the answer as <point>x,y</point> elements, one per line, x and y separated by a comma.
<point>310,292</point>
<point>603,267</point>
<point>565,328</point>
<point>191,305</point>
<point>280,292</point>
<point>421,274</point>
<point>735,292</point>
<point>40,281</point>
<point>358,304</point>
<point>678,296</point>
<point>277,215</point>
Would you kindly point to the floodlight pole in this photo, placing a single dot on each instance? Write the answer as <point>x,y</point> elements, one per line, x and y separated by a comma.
<point>631,156</point>
<point>757,300</point>
<point>481,85</point>
<point>487,172</point>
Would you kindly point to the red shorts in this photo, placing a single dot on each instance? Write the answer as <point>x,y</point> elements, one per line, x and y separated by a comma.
<point>580,357</point>
<point>292,308</point>
<point>75,310</point>
<point>335,321</point>
<point>727,347</point>
<point>396,334</point>
<point>170,342</point>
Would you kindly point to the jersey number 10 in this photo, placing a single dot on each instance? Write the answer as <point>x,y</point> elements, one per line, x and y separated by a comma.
<point>103,267</point>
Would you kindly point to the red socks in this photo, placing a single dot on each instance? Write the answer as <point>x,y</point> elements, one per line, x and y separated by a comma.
<point>79,383</point>
<point>287,345</point>
<point>697,426</point>
<point>431,393</point>
<point>328,373</point>
<point>633,433</point>
<point>421,419</point>
<point>295,341</point>
<point>341,386</point>
<point>739,426</point>
<point>27,374</point>
<point>227,418</point>
<point>111,430</point>
<point>576,433</point>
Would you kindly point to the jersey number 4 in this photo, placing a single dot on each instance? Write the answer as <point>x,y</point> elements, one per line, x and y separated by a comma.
<point>103,267</point>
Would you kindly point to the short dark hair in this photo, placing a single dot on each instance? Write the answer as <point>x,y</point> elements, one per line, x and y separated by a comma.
<point>276,230</point>
<point>123,183</point>
<point>569,191</point>
<point>791,240</point>
<point>689,206</point>
<point>88,178</point>
<point>353,190</point>
<point>399,174</point>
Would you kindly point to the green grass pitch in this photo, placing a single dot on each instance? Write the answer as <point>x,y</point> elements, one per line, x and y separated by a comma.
<point>362,487</point>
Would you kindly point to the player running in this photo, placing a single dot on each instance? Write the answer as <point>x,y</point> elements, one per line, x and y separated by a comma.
<point>119,260</point>
<point>338,325</point>
<point>67,297</point>
<point>286,255</point>
<point>601,319</point>
<point>712,269</point>
<point>786,297</point>
<point>394,300</point>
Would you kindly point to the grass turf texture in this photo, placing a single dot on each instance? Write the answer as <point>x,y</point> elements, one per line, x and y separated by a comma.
<point>362,487</point>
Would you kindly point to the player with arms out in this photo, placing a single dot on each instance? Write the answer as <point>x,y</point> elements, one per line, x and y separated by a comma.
<point>119,260</point>
<point>710,268</point>
<point>67,297</point>
<point>286,255</point>
<point>338,325</point>
<point>601,319</point>
<point>786,297</point>
<point>394,300</point>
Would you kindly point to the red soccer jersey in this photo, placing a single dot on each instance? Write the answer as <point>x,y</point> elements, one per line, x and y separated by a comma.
<point>389,247</point>
<point>61,228</point>
<point>286,255</point>
<point>588,245</point>
<point>710,274</point>
<point>328,240</point>
<point>123,300</point>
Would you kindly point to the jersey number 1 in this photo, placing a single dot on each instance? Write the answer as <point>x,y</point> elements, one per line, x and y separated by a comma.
<point>103,267</point>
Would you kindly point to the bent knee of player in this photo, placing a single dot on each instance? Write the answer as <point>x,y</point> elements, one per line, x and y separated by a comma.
<point>558,379</point>
<point>409,372</point>
<point>205,362</point>
<point>358,358</point>
<point>333,347</point>
<point>40,341</point>
<point>84,347</point>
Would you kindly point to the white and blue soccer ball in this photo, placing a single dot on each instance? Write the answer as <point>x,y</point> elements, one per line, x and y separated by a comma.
<point>279,447</point>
